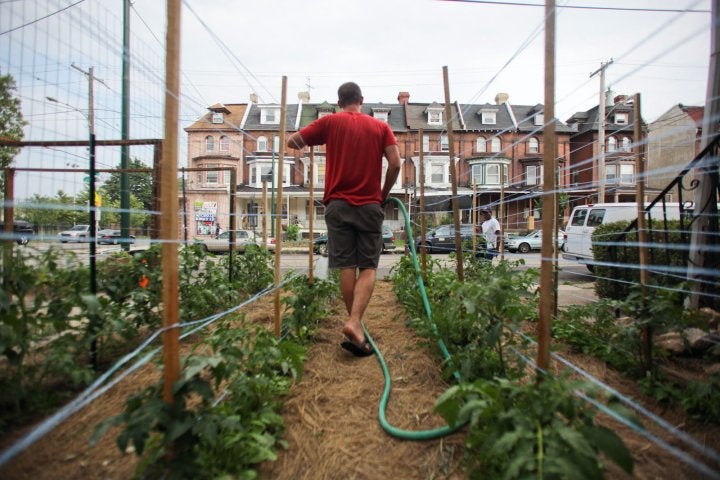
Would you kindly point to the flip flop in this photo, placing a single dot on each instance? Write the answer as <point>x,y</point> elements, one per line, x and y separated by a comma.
<point>364,349</point>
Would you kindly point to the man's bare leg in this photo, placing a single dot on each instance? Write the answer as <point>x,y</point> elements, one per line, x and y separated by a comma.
<point>356,291</point>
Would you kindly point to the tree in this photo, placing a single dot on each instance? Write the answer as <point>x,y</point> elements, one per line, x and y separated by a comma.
<point>11,122</point>
<point>139,183</point>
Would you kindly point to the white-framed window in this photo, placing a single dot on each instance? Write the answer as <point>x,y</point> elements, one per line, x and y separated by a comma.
<point>320,178</point>
<point>626,144</point>
<point>224,143</point>
<point>611,174</point>
<point>426,143</point>
<point>611,144</point>
<point>533,175</point>
<point>539,119</point>
<point>495,144</point>
<point>270,115</point>
<point>318,174</point>
<point>259,169</point>
<point>381,115</point>
<point>217,117</point>
<point>435,117</point>
<point>262,144</point>
<point>621,118</point>
<point>489,173</point>
<point>489,117</point>
<point>627,174</point>
<point>210,143</point>
<point>212,176</point>
<point>444,146</point>
<point>533,146</point>
<point>322,114</point>
<point>437,173</point>
<point>276,143</point>
<point>480,145</point>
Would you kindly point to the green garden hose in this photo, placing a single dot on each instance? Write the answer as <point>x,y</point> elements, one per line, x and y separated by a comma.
<point>394,431</point>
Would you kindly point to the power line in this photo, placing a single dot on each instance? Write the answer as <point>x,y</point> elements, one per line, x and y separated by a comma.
<point>582,7</point>
<point>41,18</point>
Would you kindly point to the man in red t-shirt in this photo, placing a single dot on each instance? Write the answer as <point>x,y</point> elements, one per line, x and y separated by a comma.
<point>355,144</point>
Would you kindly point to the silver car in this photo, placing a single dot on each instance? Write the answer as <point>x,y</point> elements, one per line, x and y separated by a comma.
<point>531,241</point>
<point>221,244</point>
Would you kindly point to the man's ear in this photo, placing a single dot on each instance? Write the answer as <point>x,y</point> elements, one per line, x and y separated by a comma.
<point>362,99</point>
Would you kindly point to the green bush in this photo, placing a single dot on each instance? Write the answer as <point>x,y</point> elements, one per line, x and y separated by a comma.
<point>668,250</point>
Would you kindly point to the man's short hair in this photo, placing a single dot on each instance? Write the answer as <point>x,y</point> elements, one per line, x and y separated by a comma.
<point>486,210</point>
<point>348,94</point>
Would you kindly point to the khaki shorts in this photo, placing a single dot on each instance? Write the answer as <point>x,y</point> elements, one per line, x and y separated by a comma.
<point>354,234</point>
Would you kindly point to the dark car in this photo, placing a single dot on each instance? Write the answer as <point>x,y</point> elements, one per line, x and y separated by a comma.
<point>441,239</point>
<point>22,231</point>
<point>320,243</point>
<point>113,237</point>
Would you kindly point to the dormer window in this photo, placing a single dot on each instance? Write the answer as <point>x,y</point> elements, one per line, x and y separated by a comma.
<point>539,119</point>
<point>434,117</point>
<point>322,114</point>
<point>489,117</point>
<point>381,114</point>
<point>217,117</point>
<point>269,115</point>
<point>621,118</point>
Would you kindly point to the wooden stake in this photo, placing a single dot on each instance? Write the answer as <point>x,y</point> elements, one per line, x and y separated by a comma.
<point>547,286</point>
<point>168,203</point>
<point>278,203</point>
<point>453,177</point>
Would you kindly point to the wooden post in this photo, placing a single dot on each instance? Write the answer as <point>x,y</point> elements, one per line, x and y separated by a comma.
<point>547,286</point>
<point>265,213</point>
<point>453,177</point>
<point>168,203</point>
<point>232,222</point>
<point>278,209</point>
<point>9,219</point>
<point>423,250</point>
<point>642,228</point>
<point>311,220</point>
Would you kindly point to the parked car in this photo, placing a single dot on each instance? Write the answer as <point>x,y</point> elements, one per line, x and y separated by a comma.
<point>221,243</point>
<point>531,241</point>
<point>320,243</point>
<point>113,237</point>
<point>78,233</point>
<point>22,231</point>
<point>441,239</point>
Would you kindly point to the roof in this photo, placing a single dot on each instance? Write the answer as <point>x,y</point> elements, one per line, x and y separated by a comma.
<point>232,118</point>
<point>696,113</point>
<point>252,122</point>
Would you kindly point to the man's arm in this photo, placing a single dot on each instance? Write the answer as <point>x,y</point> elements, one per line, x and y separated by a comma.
<point>295,141</point>
<point>392,153</point>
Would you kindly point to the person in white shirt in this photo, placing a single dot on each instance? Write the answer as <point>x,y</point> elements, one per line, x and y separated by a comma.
<point>491,232</point>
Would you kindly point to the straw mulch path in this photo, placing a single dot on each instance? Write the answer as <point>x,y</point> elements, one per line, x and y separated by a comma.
<point>331,417</point>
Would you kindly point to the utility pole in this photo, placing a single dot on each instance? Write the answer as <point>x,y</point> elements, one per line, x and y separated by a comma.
<point>601,131</point>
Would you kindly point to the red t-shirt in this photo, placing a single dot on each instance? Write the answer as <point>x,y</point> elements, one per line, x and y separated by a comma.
<point>354,145</point>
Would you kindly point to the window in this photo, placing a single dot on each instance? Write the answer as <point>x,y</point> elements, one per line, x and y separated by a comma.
<point>533,145</point>
<point>489,117</point>
<point>627,174</point>
<point>437,173</point>
<point>626,144</point>
<point>262,144</point>
<point>322,114</point>
<point>212,176</point>
<point>224,144</point>
<point>621,118</point>
<point>477,174</point>
<point>276,143</point>
<point>434,117</point>
<point>596,217</point>
<point>320,181</point>
<point>270,116</point>
<point>492,174</point>
<point>480,145</point>
<point>533,175</point>
<point>217,117</point>
<point>539,119</point>
<point>495,144</point>
<point>426,143</point>
<point>383,116</point>
<point>444,147</point>
<point>578,219</point>
<point>611,144</point>
<point>209,143</point>
<point>611,174</point>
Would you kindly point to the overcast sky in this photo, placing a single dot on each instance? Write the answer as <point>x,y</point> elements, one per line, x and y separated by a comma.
<point>232,48</point>
<point>389,46</point>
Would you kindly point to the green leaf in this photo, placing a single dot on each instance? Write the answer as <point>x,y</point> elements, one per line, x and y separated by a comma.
<point>608,442</point>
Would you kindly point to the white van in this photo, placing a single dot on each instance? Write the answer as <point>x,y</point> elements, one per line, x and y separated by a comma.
<point>585,218</point>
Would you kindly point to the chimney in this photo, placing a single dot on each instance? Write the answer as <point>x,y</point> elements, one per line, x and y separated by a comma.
<point>304,97</point>
<point>501,98</point>
<point>403,98</point>
<point>253,98</point>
